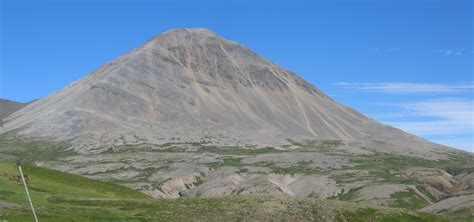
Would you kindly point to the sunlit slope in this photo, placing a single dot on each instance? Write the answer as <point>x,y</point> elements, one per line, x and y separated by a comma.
<point>45,184</point>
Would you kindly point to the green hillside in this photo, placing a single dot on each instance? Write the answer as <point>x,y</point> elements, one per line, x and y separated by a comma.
<point>61,196</point>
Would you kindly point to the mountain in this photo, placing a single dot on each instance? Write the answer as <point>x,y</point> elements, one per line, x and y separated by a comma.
<point>189,113</point>
<point>192,84</point>
<point>8,107</point>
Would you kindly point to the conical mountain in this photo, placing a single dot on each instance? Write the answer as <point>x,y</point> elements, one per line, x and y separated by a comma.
<point>191,84</point>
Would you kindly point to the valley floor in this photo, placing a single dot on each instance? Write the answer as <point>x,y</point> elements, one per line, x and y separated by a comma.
<point>61,196</point>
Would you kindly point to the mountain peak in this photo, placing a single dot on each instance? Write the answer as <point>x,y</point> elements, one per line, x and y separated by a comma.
<point>186,34</point>
<point>191,39</point>
<point>196,31</point>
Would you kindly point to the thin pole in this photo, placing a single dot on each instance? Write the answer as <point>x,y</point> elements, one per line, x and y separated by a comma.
<point>28,193</point>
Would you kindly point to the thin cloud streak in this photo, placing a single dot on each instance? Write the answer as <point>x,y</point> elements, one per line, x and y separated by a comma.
<point>408,87</point>
<point>451,52</point>
<point>433,128</point>
<point>446,116</point>
<point>442,117</point>
<point>440,112</point>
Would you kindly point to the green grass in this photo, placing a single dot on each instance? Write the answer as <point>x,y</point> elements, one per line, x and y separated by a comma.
<point>298,168</point>
<point>45,183</point>
<point>321,146</point>
<point>408,200</point>
<point>198,182</point>
<point>231,150</point>
<point>31,150</point>
<point>345,178</point>
<point>372,215</point>
<point>422,188</point>
<point>387,167</point>
<point>237,208</point>
<point>199,147</point>
<point>227,162</point>
<point>350,194</point>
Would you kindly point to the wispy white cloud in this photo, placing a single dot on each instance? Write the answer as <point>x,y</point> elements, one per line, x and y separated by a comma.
<point>447,108</point>
<point>452,52</point>
<point>445,52</point>
<point>408,87</point>
<point>443,113</point>
<point>435,117</point>
<point>433,127</point>
<point>450,117</point>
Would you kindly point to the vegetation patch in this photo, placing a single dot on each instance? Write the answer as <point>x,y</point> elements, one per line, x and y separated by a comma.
<point>408,200</point>
<point>298,168</point>
<point>373,215</point>
<point>351,194</point>
<point>44,183</point>
<point>30,150</point>
<point>233,150</point>
<point>198,182</point>
<point>321,146</point>
<point>422,188</point>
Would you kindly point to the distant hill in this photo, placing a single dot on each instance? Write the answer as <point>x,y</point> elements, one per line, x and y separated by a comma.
<point>8,107</point>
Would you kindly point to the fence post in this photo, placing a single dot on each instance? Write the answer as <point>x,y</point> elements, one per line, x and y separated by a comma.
<point>27,193</point>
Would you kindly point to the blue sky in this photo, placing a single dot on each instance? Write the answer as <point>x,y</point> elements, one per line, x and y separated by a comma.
<point>405,62</point>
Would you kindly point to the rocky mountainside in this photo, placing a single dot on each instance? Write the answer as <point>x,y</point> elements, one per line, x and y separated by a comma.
<point>189,113</point>
<point>192,84</point>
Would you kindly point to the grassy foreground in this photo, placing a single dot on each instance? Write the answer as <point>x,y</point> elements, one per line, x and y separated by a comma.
<point>61,196</point>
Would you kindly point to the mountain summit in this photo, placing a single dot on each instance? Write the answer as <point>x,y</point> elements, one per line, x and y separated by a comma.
<point>191,85</point>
